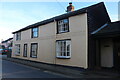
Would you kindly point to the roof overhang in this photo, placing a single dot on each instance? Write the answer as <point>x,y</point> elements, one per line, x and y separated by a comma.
<point>108,30</point>
<point>63,16</point>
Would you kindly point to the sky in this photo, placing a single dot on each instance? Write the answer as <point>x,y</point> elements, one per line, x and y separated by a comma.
<point>17,15</point>
<point>119,10</point>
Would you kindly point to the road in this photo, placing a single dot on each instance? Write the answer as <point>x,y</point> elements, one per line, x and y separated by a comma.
<point>15,70</point>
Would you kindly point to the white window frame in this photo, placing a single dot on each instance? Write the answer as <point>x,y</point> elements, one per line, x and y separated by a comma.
<point>17,49</point>
<point>61,48</point>
<point>63,26</point>
<point>18,36</point>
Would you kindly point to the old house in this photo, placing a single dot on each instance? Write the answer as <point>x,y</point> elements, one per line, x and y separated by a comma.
<point>71,39</point>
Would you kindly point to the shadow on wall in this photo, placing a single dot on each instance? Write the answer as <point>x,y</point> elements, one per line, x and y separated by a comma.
<point>119,10</point>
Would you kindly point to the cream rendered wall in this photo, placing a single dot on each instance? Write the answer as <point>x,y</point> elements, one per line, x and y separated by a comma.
<point>25,38</point>
<point>47,38</point>
<point>78,36</point>
<point>106,53</point>
<point>46,43</point>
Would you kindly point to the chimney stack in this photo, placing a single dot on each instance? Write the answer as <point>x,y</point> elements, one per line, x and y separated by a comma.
<point>70,8</point>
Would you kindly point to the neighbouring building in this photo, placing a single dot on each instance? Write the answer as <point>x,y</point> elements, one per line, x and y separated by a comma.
<point>108,45</point>
<point>79,39</point>
<point>7,43</point>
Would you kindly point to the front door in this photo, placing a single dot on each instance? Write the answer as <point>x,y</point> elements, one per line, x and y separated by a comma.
<point>117,53</point>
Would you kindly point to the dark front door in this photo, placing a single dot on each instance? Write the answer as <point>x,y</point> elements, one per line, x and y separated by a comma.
<point>117,53</point>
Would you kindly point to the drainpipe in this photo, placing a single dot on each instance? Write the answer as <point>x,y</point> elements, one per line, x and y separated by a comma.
<point>55,45</point>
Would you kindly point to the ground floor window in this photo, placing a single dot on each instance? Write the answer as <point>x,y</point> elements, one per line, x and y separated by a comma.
<point>25,50</point>
<point>63,48</point>
<point>17,46</point>
<point>34,47</point>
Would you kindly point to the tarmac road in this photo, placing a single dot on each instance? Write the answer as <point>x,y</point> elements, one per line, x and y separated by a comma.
<point>15,70</point>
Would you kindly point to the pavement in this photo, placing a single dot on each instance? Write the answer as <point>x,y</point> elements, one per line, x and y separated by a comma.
<point>3,56</point>
<point>14,71</point>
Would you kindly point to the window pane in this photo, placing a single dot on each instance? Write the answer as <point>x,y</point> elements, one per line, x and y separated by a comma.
<point>18,36</point>
<point>61,48</point>
<point>68,53</point>
<point>34,50</point>
<point>65,20</point>
<point>35,32</point>
<point>17,48</point>
<point>64,48</point>
<point>35,29</point>
<point>25,50</point>
<point>68,50</point>
<point>58,48</point>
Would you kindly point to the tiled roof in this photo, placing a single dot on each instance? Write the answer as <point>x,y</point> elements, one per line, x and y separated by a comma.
<point>69,14</point>
<point>7,40</point>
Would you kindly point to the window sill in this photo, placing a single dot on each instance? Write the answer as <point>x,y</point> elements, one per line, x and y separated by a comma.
<point>17,54</point>
<point>63,32</point>
<point>33,56</point>
<point>63,57</point>
<point>34,37</point>
<point>24,56</point>
<point>18,40</point>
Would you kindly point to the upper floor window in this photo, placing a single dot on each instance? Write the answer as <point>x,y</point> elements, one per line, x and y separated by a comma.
<point>34,32</point>
<point>63,26</point>
<point>18,36</point>
<point>63,49</point>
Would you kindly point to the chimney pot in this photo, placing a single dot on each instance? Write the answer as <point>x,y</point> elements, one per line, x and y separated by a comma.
<point>70,7</point>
